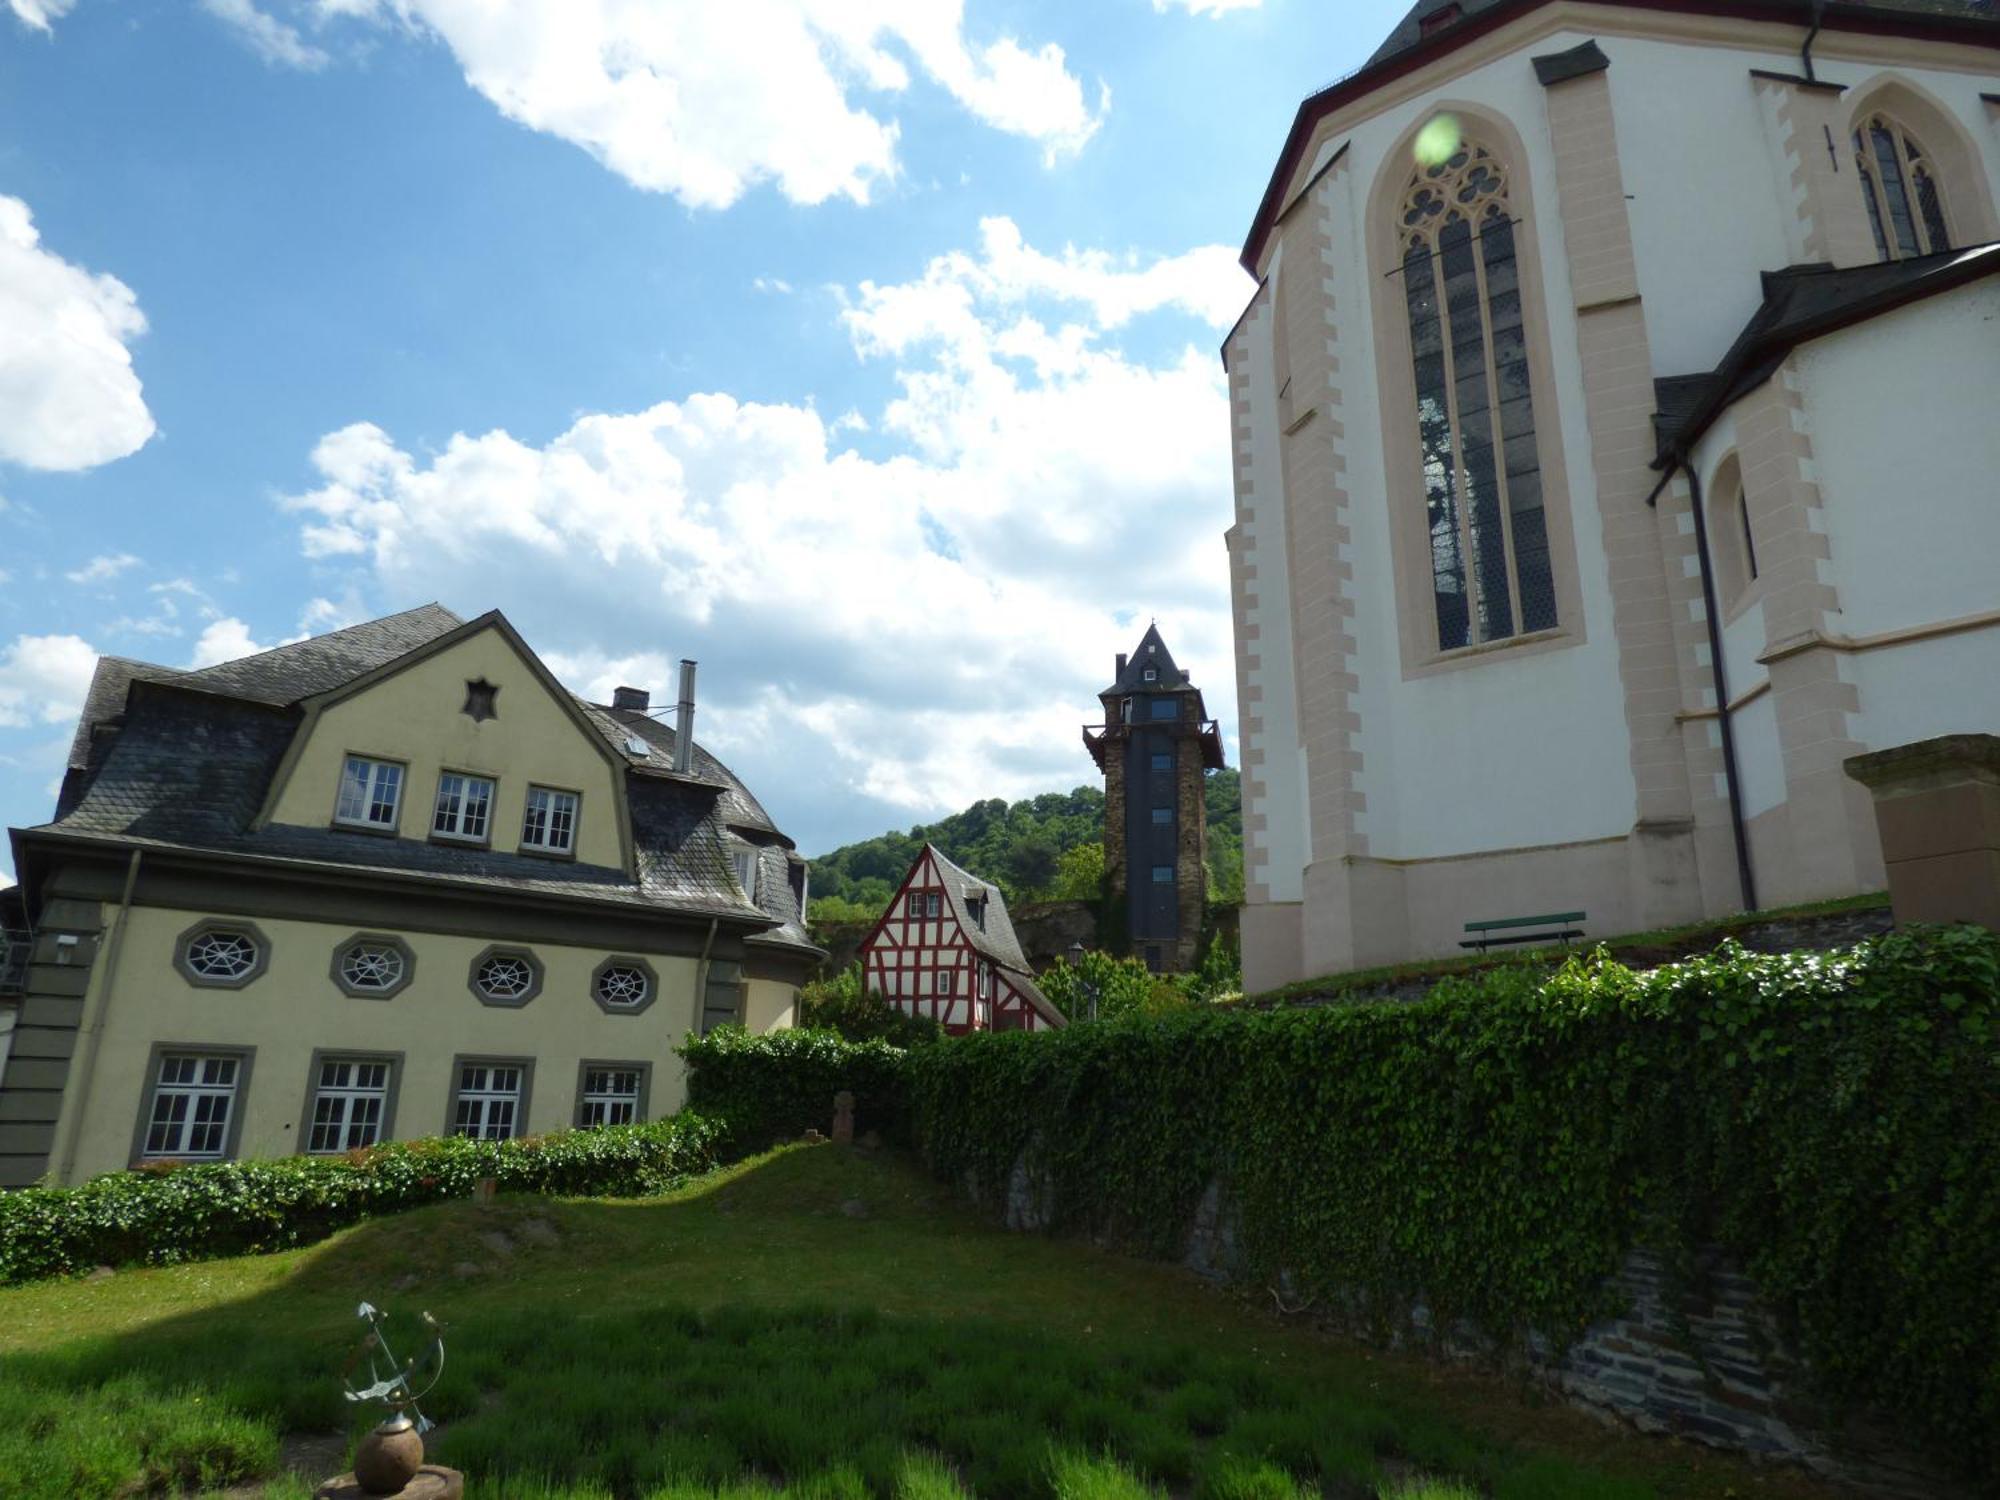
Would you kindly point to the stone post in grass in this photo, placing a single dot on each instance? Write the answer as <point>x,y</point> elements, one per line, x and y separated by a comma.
<point>843,1118</point>
<point>1937,809</point>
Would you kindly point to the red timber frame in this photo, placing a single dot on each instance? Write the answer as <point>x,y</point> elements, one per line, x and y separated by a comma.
<point>905,953</point>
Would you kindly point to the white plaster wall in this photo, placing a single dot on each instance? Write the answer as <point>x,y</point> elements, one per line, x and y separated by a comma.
<point>1759,763</point>
<point>1509,750</point>
<point>1701,238</point>
<point>1945,685</point>
<point>1902,415</point>
<point>1283,804</point>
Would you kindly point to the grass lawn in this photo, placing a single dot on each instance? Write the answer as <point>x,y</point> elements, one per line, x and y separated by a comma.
<point>747,1337</point>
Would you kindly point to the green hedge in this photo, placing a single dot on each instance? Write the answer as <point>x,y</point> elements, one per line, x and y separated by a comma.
<point>231,1208</point>
<point>776,1087</point>
<point>1832,1120</point>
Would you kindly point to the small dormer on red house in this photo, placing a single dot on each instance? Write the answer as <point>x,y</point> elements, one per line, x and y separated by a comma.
<point>945,949</point>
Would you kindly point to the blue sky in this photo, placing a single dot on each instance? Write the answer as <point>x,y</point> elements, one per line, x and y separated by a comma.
<point>865,352</point>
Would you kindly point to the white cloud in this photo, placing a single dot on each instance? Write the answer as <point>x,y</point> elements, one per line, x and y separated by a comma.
<point>705,100</point>
<point>1206,7</point>
<point>68,396</point>
<point>103,568</point>
<point>225,639</point>
<point>37,14</point>
<point>277,42</point>
<point>921,628</point>
<point>43,679</point>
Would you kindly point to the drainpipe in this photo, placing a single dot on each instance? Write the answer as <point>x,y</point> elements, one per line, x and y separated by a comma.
<point>1721,678</point>
<point>701,975</point>
<point>1818,10</point>
<point>84,1065</point>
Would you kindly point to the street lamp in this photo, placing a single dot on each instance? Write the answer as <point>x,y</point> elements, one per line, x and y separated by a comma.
<point>1089,989</point>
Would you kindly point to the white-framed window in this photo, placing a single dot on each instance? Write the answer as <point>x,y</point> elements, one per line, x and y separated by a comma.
<point>610,1097</point>
<point>488,1106</point>
<point>222,954</point>
<point>944,981</point>
<point>370,793</point>
<point>925,904</point>
<point>373,967</point>
<point>194,1095</point>
<point>350,1098</point>
<point>1151,674</point>
<point>504,976</point>
<point>464,807</point>
<point>985,981</point>
<point>745,861</point>
<point>623,985</point>
<point>550,821</point>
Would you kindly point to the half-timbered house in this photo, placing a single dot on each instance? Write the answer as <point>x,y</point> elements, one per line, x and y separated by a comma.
<point>946,949</point>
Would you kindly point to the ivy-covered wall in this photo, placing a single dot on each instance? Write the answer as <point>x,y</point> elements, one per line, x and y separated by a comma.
<point>1496,1154</point>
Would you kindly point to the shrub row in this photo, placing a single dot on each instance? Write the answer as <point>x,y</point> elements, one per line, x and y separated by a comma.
<point>202,1210</point>
<point>776,1087</point>
<point>1832,1120</point>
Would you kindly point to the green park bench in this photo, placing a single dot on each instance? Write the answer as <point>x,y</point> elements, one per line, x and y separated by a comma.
<point>1556,926</point>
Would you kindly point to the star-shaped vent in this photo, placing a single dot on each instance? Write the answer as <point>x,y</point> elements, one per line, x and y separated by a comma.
<point>479,698</point>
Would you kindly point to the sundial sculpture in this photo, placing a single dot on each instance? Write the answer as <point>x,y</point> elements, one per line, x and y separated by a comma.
<point>389,1461</point>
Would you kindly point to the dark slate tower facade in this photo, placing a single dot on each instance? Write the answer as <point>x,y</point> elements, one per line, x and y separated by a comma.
<point>1153,746</point>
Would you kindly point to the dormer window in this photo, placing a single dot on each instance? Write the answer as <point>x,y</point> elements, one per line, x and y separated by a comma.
<point>370,794</point>
<point>549,825</point>
<point>1151,674</point>
<point>464,808</point>
<point>745,861</point>
<point>1437,20</point>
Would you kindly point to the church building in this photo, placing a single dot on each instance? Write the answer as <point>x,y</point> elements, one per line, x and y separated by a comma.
<point>1615,456</point>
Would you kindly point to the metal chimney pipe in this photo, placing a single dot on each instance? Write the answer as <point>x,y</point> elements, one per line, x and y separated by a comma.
<point>684,720</point>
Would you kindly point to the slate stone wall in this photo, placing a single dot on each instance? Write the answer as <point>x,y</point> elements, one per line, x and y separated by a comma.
<point>1696,1357</point>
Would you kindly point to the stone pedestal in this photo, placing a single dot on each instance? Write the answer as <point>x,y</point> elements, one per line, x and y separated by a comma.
<point>432,1482</point>
<point>1937,807</point>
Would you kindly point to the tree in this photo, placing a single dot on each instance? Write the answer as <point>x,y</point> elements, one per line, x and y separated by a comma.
<point>1080,873</point>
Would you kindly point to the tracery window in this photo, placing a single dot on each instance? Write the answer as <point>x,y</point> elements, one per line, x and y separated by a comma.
<point>622,986</point>
<point>372,968</point>
<point>506,977</point>
<point>1899,183</point>
<point>1489,546</point>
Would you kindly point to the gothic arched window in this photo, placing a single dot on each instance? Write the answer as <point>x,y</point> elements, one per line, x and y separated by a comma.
<point>1489,546</point>
<point>1899,183</point>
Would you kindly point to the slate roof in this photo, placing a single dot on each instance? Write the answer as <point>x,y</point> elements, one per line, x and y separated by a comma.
<point>995,940</point>
<point>1409,31</point>
<point>1150,652</point>
<point>182,760</point>
<point>1802,303</point>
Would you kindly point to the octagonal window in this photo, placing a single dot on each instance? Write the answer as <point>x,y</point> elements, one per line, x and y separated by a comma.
<point>373,966</point>
<point>623,986</point>
<point>222,955</point>
<point>505,976</point>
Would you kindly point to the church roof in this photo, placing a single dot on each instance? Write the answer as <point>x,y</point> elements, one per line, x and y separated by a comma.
<point>1409,31</point>
<point>1803,303</point>
<point>1407,48</point>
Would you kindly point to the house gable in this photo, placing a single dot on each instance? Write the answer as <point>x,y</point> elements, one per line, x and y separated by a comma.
<point>419,711</point>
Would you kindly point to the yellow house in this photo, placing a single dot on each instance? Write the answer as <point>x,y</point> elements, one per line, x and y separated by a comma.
<point>392,881</point>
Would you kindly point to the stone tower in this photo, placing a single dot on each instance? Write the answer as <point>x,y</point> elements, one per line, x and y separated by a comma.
<point>1153,746</point>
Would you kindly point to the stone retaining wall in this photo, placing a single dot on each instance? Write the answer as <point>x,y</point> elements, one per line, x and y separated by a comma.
<point>1703,1361</point>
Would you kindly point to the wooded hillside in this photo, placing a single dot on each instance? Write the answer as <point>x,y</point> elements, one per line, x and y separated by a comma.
<point>1040,848</point>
